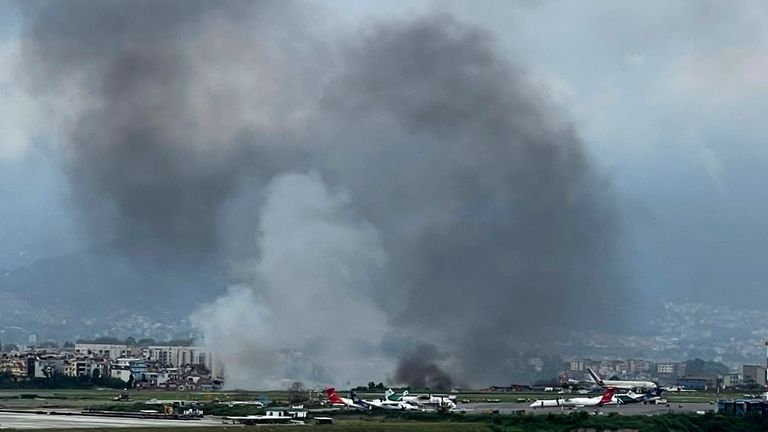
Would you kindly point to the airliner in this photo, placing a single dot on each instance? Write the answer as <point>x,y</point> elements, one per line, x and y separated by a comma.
<point>339,401</point>
<point>632,397</point>
<point>392,396</point>
<point>607,398</point>
<point>364,404</point>
<point>645,385</point>
<point>439,402</point>
<point>389,405</point>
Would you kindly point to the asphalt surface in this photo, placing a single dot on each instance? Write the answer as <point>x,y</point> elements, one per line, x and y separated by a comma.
<point>34,420</point>
<point>626,409</point>
<point>31,420</point>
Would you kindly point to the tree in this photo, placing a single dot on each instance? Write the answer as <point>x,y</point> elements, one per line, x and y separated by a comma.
<point>298,393</point>
<point>96,374</point>
<point>130,341</point>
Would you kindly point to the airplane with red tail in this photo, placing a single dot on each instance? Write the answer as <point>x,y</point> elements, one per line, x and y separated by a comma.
<point>607,398</point>
<point>342,402</point>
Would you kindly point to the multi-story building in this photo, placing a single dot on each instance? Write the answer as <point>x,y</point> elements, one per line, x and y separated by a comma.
<point>112,351</point>
<point>665,368</point>
<point>731,380</point>
<point>170,355</point>
<point>15,365</point>
<point>179,356</point>
<point>45,366</point>
<point>576,365</point>
<point>70,367</point>
<point>754,374</point>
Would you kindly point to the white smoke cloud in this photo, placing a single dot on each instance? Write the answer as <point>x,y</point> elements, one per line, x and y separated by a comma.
<point>17,119</point>
<point>315,269</point>
<point>236,326</point>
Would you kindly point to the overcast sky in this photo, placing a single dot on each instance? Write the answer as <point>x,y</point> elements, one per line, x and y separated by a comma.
<point>668,96</point>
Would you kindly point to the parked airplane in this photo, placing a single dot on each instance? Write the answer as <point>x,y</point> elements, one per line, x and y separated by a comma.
<point>632,397</point>
<point>439,402</point>
<point>365,404</point>
<point>607,398</point>
<point>392,396</point>
<point>257,404</point>
<point>567,382</point>
<point>339,401</point>
<point>621,384</point>
<point>390,405</point>
<point>677,389</point>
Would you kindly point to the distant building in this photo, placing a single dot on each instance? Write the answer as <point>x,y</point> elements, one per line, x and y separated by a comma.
<point>696,383</point>
<point>731,380</point>
<point>180,356</point>
<point>126,367</point>
<point>639,366</point>
<point>576,365</point>
<point>665,368</point>
<point>112,351</point>
<point>753,374</point>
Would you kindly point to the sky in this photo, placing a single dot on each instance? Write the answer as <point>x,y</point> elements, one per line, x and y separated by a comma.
<point>669,98</point>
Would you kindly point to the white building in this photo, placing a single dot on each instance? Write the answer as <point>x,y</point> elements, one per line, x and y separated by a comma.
<point>107,350</point>
<point>180,356</point>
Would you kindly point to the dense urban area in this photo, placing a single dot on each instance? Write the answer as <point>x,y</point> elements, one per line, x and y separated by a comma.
<point>728,343</point>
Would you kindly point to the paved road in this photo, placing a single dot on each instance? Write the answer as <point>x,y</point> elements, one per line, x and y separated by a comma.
<point>626,409</point>
<point>16,420</point>
<point>42,421</point>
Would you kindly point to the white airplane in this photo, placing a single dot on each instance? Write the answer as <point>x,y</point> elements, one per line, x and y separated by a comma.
<point>257,404</point>
<point>632,397</point>
<point>607,398</point>
<point>392,396</point>
<point>645,385</point>
<point>677,389</point>
<point>390,405</point>
<point>439,402</point>
<point>391,401</point>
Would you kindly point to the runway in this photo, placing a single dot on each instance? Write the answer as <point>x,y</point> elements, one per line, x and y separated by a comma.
<point>625,409</point>
<point>31,420</point>
<point>69,420</point>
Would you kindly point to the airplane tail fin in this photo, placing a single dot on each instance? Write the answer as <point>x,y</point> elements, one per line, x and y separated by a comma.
<point>607,395</point>
<point>388,393</point>
<point>332,396</point>
<point>596,378</point>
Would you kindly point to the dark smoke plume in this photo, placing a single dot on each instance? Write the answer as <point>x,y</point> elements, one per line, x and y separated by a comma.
<point>417,369</point>
<point>446,197</point>
<point>153,155</point>
<point>500,234</point>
